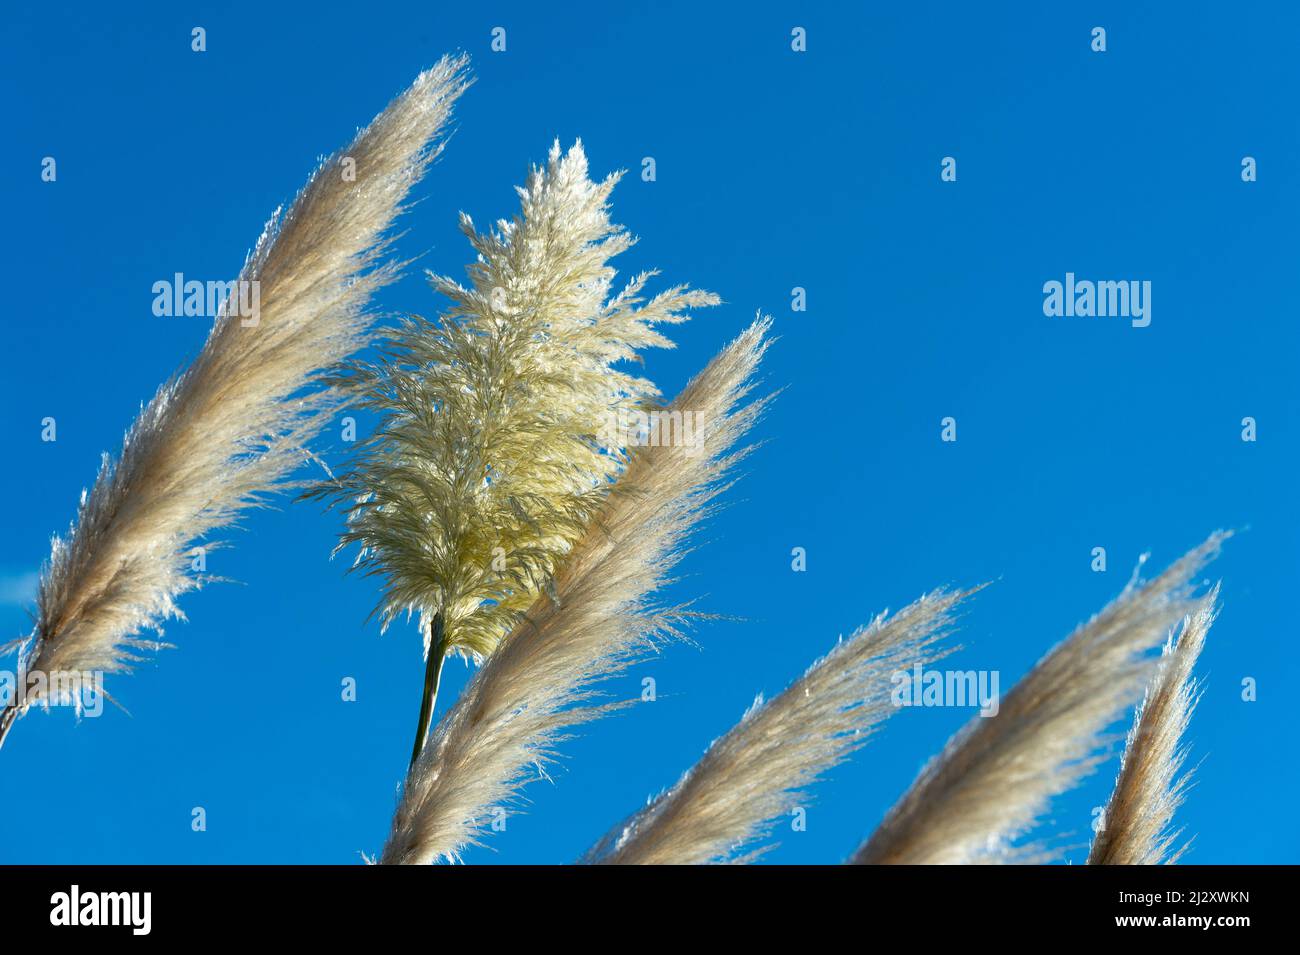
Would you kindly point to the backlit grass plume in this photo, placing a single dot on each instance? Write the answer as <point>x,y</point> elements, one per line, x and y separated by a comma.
<point>500,423</point>
<point>995,778</point>
<point>229,428</point>
<point>754,774</point>
<point>600,616</point>
<point>1136,826</point>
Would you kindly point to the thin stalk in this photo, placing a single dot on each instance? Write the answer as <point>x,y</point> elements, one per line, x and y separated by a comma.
<point>6,721</point>
<point>432,674</point>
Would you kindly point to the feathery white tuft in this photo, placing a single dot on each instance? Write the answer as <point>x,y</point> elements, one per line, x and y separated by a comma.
<point>229,428</point>
<point>599,618</point>
<point>489,460</point>
<point>1136,826</point>
<point>753,774</point>
<point>995,778</point>
<point>499,433</point>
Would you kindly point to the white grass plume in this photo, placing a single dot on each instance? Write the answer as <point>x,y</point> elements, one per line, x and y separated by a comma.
<point>229,428</point>
<point>498,437</point>
<point>753,774</point>
<point>1136,827</point>
<point>995,778</point>
<point>489,460</point>
<point>600,616</point>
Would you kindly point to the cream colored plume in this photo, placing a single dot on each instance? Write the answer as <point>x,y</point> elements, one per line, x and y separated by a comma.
<point>754,774</point>
<point>599,617</point>
<point>500,423</point>
<point>499,435</point>
<point>230,427</point>
<point>1136,827</point>
<point>995,778</point>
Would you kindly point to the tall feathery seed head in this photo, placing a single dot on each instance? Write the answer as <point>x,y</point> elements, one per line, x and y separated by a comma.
<point>1138,823</point>
<point>733,798</point>
<point>990,785</point>
<point>227,430</point>
<point>498,436</point>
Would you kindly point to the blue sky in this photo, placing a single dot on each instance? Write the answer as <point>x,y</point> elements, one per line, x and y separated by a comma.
<point>775,169</point>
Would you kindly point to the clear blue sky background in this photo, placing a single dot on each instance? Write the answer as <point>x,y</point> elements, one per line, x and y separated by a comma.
<point>775,170</point>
